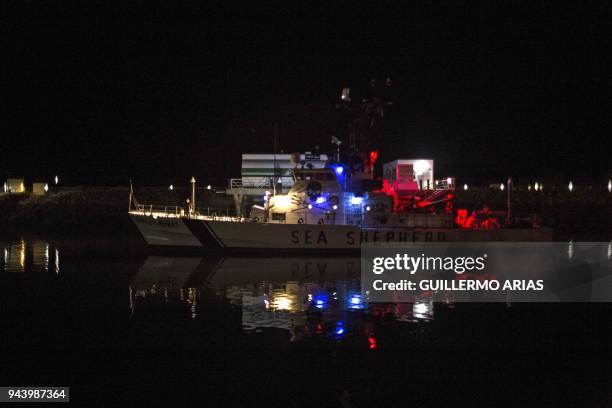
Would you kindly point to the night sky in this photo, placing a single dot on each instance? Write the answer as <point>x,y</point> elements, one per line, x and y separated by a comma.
<point>100,94</point>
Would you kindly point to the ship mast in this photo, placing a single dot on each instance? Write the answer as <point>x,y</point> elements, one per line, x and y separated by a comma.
<point>274,164</point>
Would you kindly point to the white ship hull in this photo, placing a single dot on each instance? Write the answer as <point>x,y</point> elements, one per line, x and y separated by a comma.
<point>197,234</point>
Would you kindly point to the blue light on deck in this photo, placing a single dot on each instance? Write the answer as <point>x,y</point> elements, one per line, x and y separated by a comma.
<point>356,200</point>
<point>339,170</point>
<point>339,331</point>
<point>320,200</point>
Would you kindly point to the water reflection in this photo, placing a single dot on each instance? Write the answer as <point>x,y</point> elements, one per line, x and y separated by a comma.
<point>30,256</point>
<point>304,296</point>
<point>231,299</point>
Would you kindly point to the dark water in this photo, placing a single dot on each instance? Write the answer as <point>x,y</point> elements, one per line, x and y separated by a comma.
<point>122,330</point>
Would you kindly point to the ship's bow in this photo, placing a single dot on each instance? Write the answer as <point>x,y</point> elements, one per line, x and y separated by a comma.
<point>165,231</point>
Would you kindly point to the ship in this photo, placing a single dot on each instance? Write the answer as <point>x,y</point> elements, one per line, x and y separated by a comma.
<point>317,203</point>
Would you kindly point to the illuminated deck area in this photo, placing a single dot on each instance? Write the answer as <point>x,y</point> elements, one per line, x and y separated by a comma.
<point>156,214</point>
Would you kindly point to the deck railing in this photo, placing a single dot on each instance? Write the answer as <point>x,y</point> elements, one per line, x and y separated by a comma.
<point>163,209</point>
<point>174,211</point>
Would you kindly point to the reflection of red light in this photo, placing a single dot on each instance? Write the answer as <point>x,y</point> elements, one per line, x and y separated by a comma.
<point>319,328</point>
<point>373,157</point>
<point>372,341</point>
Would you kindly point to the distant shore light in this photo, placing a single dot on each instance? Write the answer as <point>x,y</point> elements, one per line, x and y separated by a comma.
<point>570,186</point>
<point>56,180</point>
<point>609,186</point>
<point>537,186</point>
<point>501,186</point>
<point>465,187</point>
<point>208,187</point>
<point>171,187</point>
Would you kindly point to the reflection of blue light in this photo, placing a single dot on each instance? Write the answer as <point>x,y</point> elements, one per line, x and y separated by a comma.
<point>355,302</point>
<point>356,200</point>
<point>339,170</point>
<point>320,300</point>
<point>339,329</point>
<point>320,200</point>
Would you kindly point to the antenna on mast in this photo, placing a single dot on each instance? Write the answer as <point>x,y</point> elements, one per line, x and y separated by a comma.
<point>337,142</point>
<point>275,136</point>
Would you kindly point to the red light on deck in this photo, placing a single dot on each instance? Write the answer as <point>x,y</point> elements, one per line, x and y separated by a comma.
<point>373,157</point>
<point>483,219</point>
<point>461,217</point>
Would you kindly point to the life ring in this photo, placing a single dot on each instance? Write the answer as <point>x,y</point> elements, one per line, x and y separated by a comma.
<point>300,221</point>
<point>320,221</point>
<point>256,219</point>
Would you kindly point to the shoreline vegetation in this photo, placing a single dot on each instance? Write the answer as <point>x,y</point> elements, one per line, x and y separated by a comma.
<point>101,212</point>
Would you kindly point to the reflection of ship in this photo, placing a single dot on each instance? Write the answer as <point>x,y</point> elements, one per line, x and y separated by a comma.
<point>329,203</point>
<point>305,296</point>
<point>301,295</point>
<point>170,273</point>
<point>180,272</point>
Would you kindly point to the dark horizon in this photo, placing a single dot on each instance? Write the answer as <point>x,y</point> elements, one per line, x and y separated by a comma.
<point>102,94</point>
